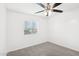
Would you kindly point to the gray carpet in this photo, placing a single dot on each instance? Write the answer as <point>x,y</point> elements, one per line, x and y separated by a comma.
<point>44,49</point>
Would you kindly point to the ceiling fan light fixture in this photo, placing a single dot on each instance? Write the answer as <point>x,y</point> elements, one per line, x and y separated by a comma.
<point>49,8</point>
<point>48,13</point>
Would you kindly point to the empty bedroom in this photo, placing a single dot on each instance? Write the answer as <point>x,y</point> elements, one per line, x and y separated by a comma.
<point>39,29</point>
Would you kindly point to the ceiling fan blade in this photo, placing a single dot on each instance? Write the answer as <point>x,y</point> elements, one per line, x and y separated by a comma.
<point>41,5</point>
<point>55,10</point>
<point>56,4</point>
<point>40,11</point>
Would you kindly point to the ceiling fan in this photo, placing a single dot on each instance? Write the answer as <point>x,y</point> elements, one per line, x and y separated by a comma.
<point>49,8</point>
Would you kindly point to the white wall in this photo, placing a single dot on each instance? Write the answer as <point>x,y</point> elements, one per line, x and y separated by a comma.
<point>2,29</point>
<point>64,29</point>
<point>16,39</point>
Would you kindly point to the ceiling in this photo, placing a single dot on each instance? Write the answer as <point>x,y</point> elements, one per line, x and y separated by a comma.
<point>31,8</point>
